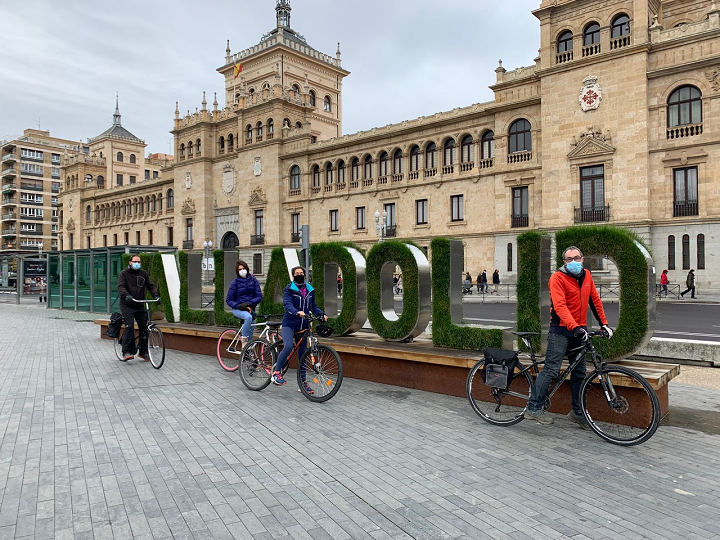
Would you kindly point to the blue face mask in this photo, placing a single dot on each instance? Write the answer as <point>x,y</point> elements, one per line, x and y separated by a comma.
<point>136,266</point>
<point>574,267</point>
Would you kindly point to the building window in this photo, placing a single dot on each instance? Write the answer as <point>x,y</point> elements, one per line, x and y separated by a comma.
<point>221,141</point>
<point>488,145</point>
<point>620,26</point>
<point>147,174</point>
<point>270,128</point>
<point>132,158</point>
<point>328,174</point>
<point>150,237</point>
<point>466,149</point>
<point>520,207</point>
<point>296,89</point>
<point>326,104</point>
<point>189,229</point>
<point>248,133</point>
<point>294,177</point>
<point>685,192</point>
<point>115,241</point>
<point>430,156</point>
<point>104,240</point>
<point>312,98</point>
<point>119,178</point>
<point>565,42</point>
<point>398,162</point>
<point>391,216</point>
<point>316,176</point>
<point>457,209</point>
<point>686,252</point>
<point>100,182</point>
<point>671,252</point>
<point>259,226</point>
<point>170,199</point>
<point>355,170</point>
<point>368,167</point>
<point>360,217</point>
<point>231,142</point>
<point>137,238</point>
<point>383,165</point>
<point>88,214</point>
<point>341,172</point>
<point>334,223</point>
<point>182,150</point>
<point>119,156</point>
<point>127,239</point>
<point>449,154</point>
<point>170,236</point>
<point>519,137</point>
<point>510,257</point>
<point>700,252</point>
<point>591,36</point>
<point>257,264</point>
<point>133,179</point>
<point>259,131</point>
<point>155,175</point>
<point>415,158</point>
<point>55,159</point>
<point>295,227</point>
<point>421,212</point>
<point>592,194</point>
<point>197,146</point>
<point>684,106</point>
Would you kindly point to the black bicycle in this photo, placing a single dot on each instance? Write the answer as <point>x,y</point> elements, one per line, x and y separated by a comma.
<point>156,342</point>
<point>617,402</point>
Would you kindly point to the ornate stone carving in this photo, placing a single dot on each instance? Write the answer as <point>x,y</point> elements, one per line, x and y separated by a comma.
<point>70,225</point>
<point>592,143</point>
<point>713,77</point>
<point>257,166</point>
<point>590,94</point>
<point>228,179</point>
<point>188,207</point>
<point>257,198</point>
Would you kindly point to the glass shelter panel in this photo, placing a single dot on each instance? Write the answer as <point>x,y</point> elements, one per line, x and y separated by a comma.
<point>83,282</point>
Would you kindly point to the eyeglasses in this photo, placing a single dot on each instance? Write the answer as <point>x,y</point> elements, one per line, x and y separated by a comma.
<point>571,259</point>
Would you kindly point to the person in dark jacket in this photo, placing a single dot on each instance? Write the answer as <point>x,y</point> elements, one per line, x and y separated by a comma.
<point>483,282</point>
<point>496,281</point>
<point>132,284</point>
<point>298,299</point>
<point>243,296</point>
<point>690,282</point>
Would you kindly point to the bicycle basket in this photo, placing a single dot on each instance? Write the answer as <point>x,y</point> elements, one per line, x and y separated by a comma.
<point>499,367</point>
<point>323,330</point>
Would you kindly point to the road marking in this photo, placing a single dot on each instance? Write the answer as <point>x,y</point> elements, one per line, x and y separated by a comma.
<point>696,334</point>
<point>490,320</point>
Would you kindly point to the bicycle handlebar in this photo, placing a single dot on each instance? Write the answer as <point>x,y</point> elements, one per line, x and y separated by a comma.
<point>146,301</point>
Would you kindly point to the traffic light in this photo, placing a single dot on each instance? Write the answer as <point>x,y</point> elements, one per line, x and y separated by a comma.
<point>304,236</point>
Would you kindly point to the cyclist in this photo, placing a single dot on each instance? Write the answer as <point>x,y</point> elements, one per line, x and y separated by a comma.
<point>298,299</point>
<point>243,295</point>
<point>132,283</point>
<point>572,290</point>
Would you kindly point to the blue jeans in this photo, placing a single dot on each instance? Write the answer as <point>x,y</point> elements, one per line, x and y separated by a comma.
<point>288,335</point>
<point>556,349</point>
<point>247,319</point>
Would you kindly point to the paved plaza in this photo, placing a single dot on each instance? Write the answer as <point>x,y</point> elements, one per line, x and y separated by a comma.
<point>95,448</point>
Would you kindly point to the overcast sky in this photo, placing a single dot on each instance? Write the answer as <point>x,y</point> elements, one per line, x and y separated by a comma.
<point>61,63</point>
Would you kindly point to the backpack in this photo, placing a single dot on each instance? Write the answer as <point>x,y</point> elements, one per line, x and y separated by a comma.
<point>114,326</point>
<point>499,367</point>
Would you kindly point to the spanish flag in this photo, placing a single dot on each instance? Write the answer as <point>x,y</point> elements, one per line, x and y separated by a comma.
<point>237,70</point>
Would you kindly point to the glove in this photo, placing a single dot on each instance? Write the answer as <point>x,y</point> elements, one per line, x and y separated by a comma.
<point>243,306</point>
<point>581,333</point>
<point>607,331</point>
<point>129,298</point>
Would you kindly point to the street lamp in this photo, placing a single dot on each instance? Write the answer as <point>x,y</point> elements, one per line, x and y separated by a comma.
<point>207,246</point>
<point>380,227</point>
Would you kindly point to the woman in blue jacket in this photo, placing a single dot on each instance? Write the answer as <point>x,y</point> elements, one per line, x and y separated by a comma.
<point>243,295</point>
<point>298,299</point>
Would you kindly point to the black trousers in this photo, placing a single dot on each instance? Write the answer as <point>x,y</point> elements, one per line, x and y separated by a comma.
<point>128,338</point>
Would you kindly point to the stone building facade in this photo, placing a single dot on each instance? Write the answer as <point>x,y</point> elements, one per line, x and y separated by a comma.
<point>611,124</point>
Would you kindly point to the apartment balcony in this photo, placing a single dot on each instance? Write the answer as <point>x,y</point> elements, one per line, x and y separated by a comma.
<point>10,216</point>
<point>31,218</point>
<point>519,220</point>
<point>684,131</point>
<point>32,187</point>
<point>390,231</point>
<point>519,157</point>
<point>9,173</point>
<point>685,208</point>
<point>9,158</point>
<point>187,244</point>
<point>619,43</point>
<point>591,50</point>
<point>448,169</point>
<point>9,188</point>
<point>561,58</point>
<point>9,233</point>
<point>485,163</point>
<point>38,232</point>
<point>467,166</point>
<point>9,202</point>
<point>592,215</point>
<point>257,239</point>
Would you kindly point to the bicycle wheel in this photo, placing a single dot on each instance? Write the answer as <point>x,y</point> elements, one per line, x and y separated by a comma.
<point>497,406</point>
<point>229,348</point>
<point>256,364</point>
<point>322,374</point>
<point>156,346</point>
<point>632,412</point>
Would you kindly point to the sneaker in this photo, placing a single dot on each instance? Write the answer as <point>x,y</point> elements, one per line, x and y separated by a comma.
<point>145,357</point>
<point>541,417</point>
<point>277,378</point>
<point>579,419</point>
<point>307,388</point>
<point>126,357</point>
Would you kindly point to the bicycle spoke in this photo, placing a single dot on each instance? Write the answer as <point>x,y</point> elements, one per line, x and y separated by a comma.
<point>498,407</point>
<point>320,373</point>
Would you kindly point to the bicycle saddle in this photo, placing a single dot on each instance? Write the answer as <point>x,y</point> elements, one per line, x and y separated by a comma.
<point>274,324</point>
<point>523,334</point>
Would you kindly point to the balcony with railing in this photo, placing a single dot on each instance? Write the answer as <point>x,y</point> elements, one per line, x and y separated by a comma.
<point>591,50</point>
<point>382,180</point>
<point>448,169</point>
<point>8,188</point>
<point>9,232</point>
<point>9,201</point>
<point>413,175</point>
<point>257,239</point>
<point>563,57</point>
<point>390,231</point>
<point>10,172</point>
<point>520,220</point>
<point>485,163</point>
<point>592,215</point>
<point>367,182</point>
<point>10,216</point>
<point>9,158</point>
<point>340,186</point>
<point>187,244</point>
<point>467,166</point>
<point>295,192</point>
<point>429,173</point>
<point>685,208</point>
<point>684,131</point>
<point>519,157</point>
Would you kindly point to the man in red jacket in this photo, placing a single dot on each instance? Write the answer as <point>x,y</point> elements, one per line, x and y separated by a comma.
<point>572,291</point>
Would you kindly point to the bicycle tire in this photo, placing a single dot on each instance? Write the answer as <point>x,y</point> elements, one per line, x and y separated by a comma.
<point>326,374</point>
<point>156,346</point>
<point>257,361</point>
<point>232,360</point>
<point>496,406</point>
<point>625,424</point>
<point>117,344</point>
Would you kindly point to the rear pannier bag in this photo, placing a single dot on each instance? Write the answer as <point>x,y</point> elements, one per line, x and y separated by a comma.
<point>500,367</point>
<point>114,326</point>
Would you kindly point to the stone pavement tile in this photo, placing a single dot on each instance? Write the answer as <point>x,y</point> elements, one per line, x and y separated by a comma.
<point>159,527</point>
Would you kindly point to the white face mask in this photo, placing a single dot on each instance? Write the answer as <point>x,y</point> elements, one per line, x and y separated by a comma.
<point>243,273</point>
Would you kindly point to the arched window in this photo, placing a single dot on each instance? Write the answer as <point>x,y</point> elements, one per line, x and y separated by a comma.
<point>88,213</point>
<point>119,156</point>
<point>298,125</point>
<point>101,181</point>
<point>270,127</point>
<point>316,176</point>
<point>341,172</point>
<point>97,213</point>
<point>170,198</point>
<point>620,26</point>
<point>222,144</point>
<point>383,165</point>
<point>248,133</point>
<point>142,206</point>
<point>259,130</point>
<point>414,158</point>
<point>197,146</point>
<point>311,97</point>
<point>701,252</point>
<point>132,158</point>
<point>398,162</point>
<point>519,137</point>
<point>368,167</point>
<point>294,177</point>
<point>190,148</point>
<point>430,156</point>
<point>671,252</point>
<point>130,208</point>
<point>251,92</point>
<point>327,107</point>
<point>685,106</point>
<point>591,34</point>
<point>154,203</point>
<point>355,169</point>
<point>449,152</point>
<point>231,142</point>
<point>328,174</point>
<point>296,89</point>
<point>182,150</point>
<point>565,42</point>
<point>466,149</point>
<point>686,251</point>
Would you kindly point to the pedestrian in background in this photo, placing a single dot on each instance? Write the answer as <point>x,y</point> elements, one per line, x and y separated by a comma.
<point>664,282</point>
<point>690,282</point>
<point>483,281</point>
<point>478,282</point>
<point>496,281</point>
